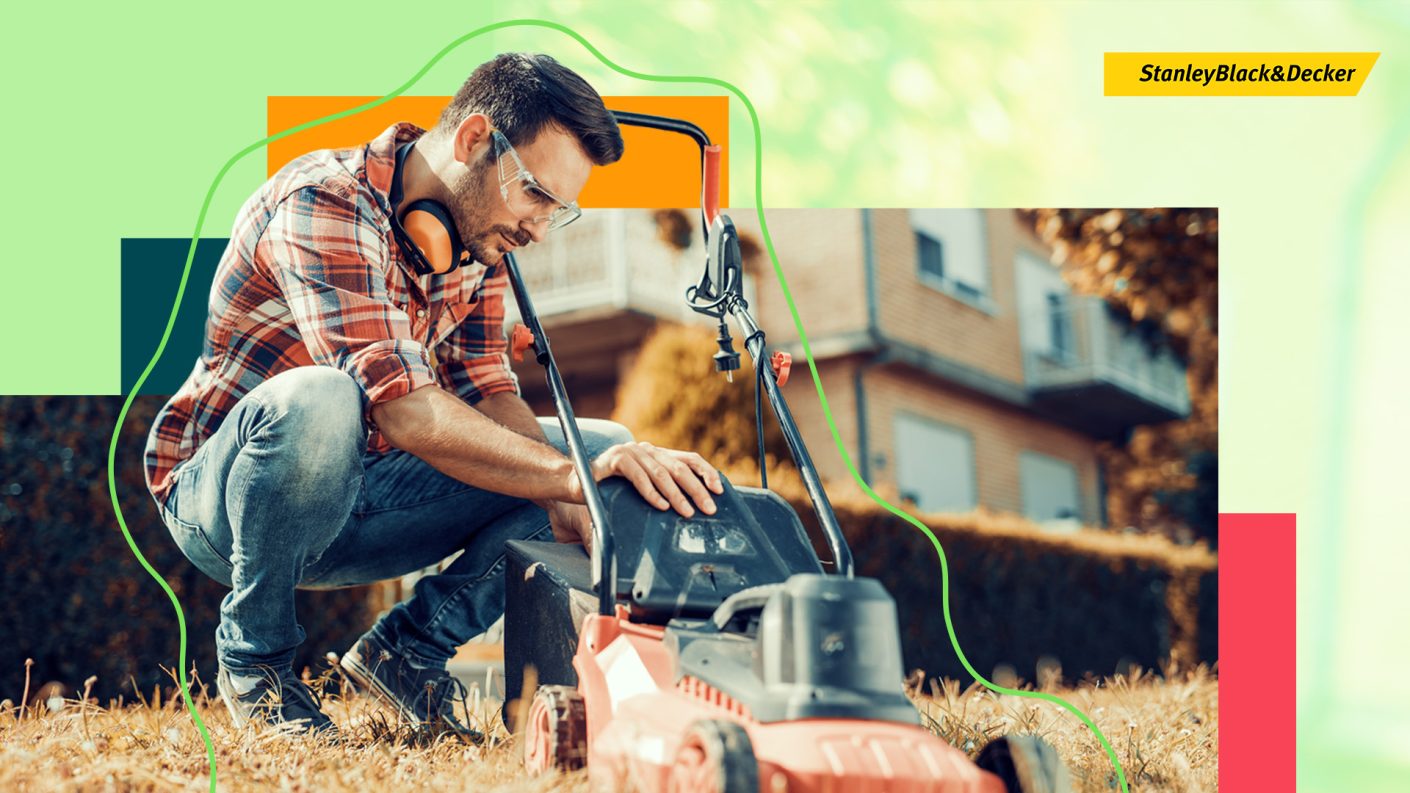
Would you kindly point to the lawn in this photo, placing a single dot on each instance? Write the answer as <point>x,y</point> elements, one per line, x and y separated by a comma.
<point>1164,730</point>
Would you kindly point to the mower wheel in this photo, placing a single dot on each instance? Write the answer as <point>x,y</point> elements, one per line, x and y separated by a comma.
<point>715,757</point>
<point>556,733</point>
<point>1026,763</point>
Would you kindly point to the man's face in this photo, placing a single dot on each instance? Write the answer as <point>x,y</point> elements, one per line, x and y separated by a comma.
<point>487,226</point>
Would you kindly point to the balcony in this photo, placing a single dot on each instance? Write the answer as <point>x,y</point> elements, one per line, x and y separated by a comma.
<point>608,262</point>
<point>599,286</point>
<point>1090,370</point>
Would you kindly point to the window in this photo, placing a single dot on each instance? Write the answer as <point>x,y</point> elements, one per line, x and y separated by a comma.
<point>935,465</point>
<point>1050,488</point>
<point>1048,319</point>
<point>950,251</point>
<point>1060,326</point>
<point>932,255</point>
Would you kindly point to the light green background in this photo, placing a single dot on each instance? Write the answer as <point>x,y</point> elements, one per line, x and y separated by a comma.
<point>118,119</point>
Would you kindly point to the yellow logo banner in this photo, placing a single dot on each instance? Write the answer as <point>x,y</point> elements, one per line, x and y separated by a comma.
<point>1236,73</point>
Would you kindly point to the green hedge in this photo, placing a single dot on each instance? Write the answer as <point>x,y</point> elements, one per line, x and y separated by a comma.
<point>1208,649</point>
<point>75,599</point>
<point>1094,601</point>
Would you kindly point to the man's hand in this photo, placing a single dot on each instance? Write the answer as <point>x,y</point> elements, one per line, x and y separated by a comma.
<point>664,477</point>
<point>571,524</point>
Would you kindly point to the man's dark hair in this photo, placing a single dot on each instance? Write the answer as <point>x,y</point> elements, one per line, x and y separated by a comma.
<point>524,92</point>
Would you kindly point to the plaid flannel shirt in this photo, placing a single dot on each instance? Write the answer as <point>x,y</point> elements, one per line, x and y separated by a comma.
<point>314,276</point>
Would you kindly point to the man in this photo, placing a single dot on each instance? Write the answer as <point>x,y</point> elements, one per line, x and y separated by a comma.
<point>350,420</point>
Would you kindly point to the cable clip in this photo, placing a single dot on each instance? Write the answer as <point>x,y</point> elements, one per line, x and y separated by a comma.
<point>782,363</point>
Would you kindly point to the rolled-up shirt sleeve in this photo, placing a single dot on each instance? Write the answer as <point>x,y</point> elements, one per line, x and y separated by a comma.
<point>328,260</point>
<point>473,359</point>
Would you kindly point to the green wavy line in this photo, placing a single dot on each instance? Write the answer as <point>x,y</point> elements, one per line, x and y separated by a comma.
<point>778,272</point>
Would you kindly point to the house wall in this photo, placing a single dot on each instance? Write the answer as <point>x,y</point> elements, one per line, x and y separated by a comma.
<point>802,396</point>
<point>820,251</point>
<point>922,315</point>
<point>1000,434</point>
<point>829,289</point>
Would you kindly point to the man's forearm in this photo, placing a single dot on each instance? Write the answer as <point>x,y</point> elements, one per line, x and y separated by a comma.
<point>474,447</point>
<point>509,409</point>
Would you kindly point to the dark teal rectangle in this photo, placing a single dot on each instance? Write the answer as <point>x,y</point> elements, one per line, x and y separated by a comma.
<point>151,273</point>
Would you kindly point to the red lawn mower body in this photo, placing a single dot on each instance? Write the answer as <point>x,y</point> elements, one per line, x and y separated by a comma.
<point>730,662</point>
<point>639,731</point>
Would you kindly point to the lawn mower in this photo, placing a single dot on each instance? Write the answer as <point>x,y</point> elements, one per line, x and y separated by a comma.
<point>715,653</point>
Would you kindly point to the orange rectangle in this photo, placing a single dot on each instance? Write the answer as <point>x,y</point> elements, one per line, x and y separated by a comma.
<point>658,169</point>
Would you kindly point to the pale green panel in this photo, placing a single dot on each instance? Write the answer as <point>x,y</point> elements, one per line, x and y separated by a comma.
<point>123,118</point>
<point>1368,594</point>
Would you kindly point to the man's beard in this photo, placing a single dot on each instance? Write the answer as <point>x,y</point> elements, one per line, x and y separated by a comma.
<point>475,200</point>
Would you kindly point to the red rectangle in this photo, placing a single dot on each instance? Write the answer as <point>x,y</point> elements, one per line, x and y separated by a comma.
<point>1257,652</point>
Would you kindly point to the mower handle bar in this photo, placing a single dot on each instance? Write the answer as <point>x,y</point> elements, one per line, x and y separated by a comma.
<point>822,507</point>
<point>604,558</point>
<point>604,573</point>
<point>732,301</point>
<point>709,157</point>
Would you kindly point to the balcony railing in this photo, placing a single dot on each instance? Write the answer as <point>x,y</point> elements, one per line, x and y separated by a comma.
<point>1089,349</point>
<point>609,260</point>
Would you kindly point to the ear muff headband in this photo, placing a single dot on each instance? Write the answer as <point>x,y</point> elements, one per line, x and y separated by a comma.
<point>425,229</point>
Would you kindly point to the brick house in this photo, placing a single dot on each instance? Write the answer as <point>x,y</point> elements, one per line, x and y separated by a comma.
<point>959,367</point>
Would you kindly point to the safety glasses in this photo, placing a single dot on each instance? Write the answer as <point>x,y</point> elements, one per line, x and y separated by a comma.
<point>524,195</point>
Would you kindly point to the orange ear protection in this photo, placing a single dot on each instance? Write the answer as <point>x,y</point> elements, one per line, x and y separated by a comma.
<point>425,229</point>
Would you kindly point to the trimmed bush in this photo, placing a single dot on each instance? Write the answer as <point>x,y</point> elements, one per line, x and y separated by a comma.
<point>76,600</point>
<point>1093,601</point>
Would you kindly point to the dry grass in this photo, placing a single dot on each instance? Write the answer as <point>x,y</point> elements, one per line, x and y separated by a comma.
<point>1164,729</point>
<point>152,744</point>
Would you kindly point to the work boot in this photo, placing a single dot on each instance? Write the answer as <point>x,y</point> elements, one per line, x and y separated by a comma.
<point>278,699</point>
<point>424,695</point>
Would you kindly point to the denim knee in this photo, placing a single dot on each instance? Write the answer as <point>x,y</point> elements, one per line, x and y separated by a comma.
<point>317,412</point>
<point>601,434</point>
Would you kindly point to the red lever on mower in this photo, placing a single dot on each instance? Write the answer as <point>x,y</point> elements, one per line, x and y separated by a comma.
<point>519,340</point>
<point>712,182</point>
<point>782,363</point>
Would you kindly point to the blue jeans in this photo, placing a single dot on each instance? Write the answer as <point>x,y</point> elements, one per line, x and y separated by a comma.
<point>284,495</point>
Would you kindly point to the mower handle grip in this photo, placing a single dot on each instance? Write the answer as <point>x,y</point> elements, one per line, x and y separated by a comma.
<point>712,183</point>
